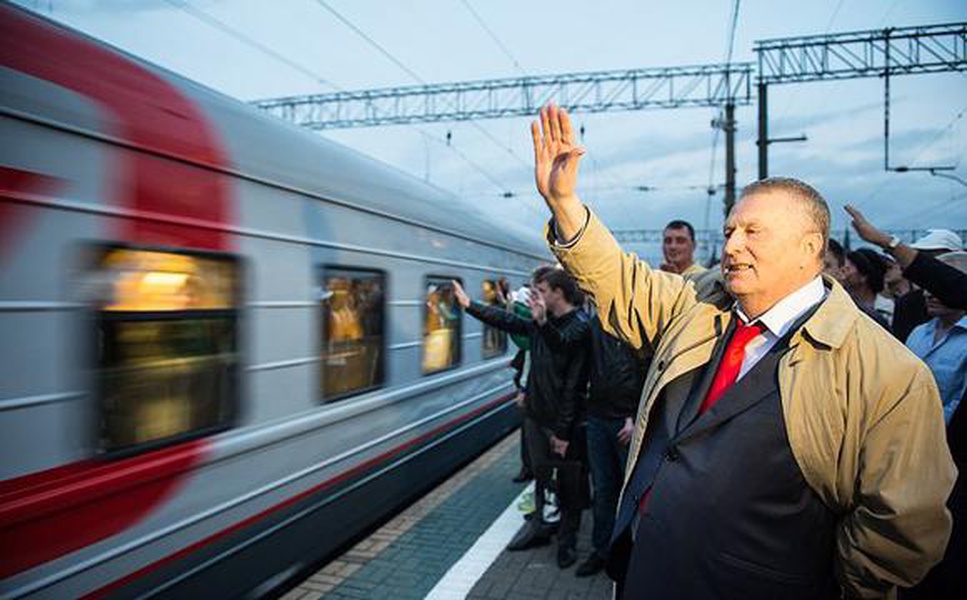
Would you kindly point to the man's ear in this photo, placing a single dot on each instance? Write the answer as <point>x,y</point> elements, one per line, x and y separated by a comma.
<point>812,244</point>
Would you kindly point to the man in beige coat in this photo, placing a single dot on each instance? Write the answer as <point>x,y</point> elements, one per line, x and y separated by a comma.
<point>785,445</point>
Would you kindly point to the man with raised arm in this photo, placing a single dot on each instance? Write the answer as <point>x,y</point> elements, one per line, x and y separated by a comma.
<point>555,398</point>
<point>785,446</point>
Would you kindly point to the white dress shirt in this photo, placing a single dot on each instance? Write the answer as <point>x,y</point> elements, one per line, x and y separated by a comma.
<point>777,321</point>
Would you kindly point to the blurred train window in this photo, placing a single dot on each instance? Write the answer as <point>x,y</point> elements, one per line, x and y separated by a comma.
<point>441,326</point>
<point>167,347</point>
<point>352,331</point>
<point>494,293</point>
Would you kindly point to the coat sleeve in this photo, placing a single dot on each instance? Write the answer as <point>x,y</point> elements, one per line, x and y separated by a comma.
<point>500,319</point>
<point>573,392</point>
<point>635,302</point>
<point>898,526</point>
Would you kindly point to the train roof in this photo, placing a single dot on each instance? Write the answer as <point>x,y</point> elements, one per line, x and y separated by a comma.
<point>263,148</point>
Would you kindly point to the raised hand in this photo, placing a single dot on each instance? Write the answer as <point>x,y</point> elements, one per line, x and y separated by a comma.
<point>556,156</point>
<point>865,229</point>
<point>462,298</point>
<point>538,307</point>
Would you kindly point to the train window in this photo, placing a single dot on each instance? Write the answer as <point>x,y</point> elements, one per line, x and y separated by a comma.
<point>167,346</point>
<point>441,326</point>
<point>494,294</point>
<point>352,331</point>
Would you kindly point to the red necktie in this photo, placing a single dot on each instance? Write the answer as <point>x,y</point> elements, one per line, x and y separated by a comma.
<point>728,370</point>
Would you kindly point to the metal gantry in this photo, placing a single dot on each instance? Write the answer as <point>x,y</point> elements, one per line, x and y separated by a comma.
<point>874,53</point>
<point>629,89</point>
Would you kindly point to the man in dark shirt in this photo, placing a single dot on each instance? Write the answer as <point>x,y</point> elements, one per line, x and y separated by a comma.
<point>617,375</point>
<point>555,397</point>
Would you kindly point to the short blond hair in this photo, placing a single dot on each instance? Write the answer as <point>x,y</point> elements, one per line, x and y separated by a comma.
<point>812,202</point>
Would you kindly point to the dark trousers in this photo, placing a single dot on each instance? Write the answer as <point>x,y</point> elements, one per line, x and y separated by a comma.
<point>525,458</point>
<point>606,457</point>
<point>538,440</point>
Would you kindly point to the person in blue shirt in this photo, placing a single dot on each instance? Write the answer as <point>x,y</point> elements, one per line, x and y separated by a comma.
<point>941,342</point>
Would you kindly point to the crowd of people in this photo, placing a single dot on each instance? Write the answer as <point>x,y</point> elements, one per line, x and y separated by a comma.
<point>758,430</point>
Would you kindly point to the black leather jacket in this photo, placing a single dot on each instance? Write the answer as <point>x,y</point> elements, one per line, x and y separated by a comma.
<point>558,380</point>
<point>617,375</point>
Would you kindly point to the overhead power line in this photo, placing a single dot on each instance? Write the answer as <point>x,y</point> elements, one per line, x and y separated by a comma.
<point>414,75</point>
<point>211,21</point>
<point>386,53</point>
<point>220,25</point>
<point>503,48</point>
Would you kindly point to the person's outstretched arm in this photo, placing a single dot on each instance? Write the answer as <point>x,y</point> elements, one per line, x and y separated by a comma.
<point>945,282</point>
<point>635,302</point>
<point>494,316</point>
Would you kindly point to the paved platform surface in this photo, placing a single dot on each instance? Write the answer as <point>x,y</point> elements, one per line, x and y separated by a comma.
<point>449,545</point>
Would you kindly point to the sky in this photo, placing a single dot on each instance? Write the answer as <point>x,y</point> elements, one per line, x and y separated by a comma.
<point>669,151</point>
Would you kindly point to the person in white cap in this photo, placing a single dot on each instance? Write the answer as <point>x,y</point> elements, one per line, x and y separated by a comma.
<point>919,266</point>
<point>943,240</point>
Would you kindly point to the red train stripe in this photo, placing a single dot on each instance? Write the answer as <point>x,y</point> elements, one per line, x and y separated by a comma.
<point>143,109</point>
<point>360,468</point>
<point>52,513</point>
<point>16,185</point>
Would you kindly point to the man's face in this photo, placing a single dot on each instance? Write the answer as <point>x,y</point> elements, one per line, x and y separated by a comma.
<point>552,297</point>
<point>894,274</point>
<point>852,278</point>
<point>677,247</point>
<point>832,267</point>
<point>936,308</point>
<point>770,249</point>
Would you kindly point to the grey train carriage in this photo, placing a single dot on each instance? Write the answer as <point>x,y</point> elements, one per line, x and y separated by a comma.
<point>227,346</point>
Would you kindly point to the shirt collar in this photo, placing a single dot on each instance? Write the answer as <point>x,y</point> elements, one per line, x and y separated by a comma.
<point>784,313</point>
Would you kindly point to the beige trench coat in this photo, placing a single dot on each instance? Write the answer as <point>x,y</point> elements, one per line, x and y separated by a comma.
<point>863,413</point>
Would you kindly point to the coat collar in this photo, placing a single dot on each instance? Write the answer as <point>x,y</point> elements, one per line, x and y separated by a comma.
<point>829,326</point>
<point>834,318</point>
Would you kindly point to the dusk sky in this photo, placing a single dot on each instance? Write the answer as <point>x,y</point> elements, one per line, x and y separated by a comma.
<point>669,150</point>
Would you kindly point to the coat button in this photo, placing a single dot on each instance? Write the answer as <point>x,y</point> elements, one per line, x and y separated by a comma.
<point>672,454</point>
<point>661,365</point>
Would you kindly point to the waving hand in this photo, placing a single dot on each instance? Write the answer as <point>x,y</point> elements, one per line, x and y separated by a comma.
<point>556,159</point>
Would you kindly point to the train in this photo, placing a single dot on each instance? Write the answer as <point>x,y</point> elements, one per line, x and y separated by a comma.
<point>228,346</point>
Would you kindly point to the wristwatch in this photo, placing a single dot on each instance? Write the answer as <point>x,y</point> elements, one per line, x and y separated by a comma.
<point>893,243</point>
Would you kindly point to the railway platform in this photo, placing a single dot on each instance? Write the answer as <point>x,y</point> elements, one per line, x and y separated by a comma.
<point>450,545</point>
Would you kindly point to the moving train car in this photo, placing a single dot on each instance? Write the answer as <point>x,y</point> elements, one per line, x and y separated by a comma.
<point>227,345</point>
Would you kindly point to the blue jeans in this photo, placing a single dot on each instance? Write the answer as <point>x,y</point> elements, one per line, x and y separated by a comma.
<point>606,457</point>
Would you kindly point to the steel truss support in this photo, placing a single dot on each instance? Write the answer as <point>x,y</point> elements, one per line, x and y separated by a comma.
<point>632,89</point>
<point>876,53</point>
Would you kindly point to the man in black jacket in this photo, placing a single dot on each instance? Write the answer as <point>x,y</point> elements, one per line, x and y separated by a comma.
<point>555,397</point>
<point>617,375</point>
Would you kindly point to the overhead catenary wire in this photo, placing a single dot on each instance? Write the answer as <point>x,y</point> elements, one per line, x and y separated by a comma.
<point>889,176</point>
<point>212,21</point>
<point>730,47</point>
<point>493,36</point>
<point>790,99</point>
<point>389,56</point>
<point>227,29</point>
<point>938,135</point>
